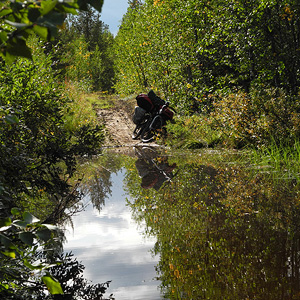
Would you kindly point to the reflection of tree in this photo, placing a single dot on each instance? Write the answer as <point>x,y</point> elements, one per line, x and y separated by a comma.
<point>223,234</point>
<point>70,274</point>
<point>99,187</point>
<point>97,183</point>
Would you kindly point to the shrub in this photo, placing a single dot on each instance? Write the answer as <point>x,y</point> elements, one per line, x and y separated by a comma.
<point>37,150</point>
<point>258,118</point>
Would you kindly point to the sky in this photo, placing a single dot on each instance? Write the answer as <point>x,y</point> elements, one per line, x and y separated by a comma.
<point>112,13</point>
<point>112,246</point>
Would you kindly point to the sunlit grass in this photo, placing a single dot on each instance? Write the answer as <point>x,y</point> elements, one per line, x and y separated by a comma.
<point>101,100</point>
<point>192,132</point>
<point>80,110</point>
<point>280,159</point>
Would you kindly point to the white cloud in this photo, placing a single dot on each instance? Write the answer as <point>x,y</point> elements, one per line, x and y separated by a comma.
<point>111,247</point>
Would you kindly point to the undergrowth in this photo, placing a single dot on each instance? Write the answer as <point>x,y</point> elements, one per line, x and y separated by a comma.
<point>192,132</point>
<point>81,107</point>
<point>282,160</point>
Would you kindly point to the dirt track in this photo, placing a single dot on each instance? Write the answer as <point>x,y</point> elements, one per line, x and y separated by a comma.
<point>119,126</point>
<point>118,123</point>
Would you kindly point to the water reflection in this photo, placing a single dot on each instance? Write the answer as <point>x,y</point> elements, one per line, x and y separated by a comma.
<point>220,231</point>
<point>153,168</point>
<point>223,232</point>
<point>108,241</point>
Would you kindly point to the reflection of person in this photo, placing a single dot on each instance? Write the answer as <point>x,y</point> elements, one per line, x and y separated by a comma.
<point>154,171</point>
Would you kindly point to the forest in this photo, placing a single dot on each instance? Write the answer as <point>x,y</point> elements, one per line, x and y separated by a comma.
<point>230,68</point>
<point>235,62</point>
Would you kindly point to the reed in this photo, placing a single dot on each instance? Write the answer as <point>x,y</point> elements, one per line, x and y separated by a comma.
<point>281,159</point>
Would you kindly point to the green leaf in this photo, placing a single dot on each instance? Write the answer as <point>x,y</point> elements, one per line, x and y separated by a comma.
<point>5,11</point>
<point>27,238</point>
<point>31,266</point>
<point>41,31</point>
<point>44,234</point>
<point>10,254</point>
<point>19,223</point>
<point>29,218</point>
<point>5,222</point>
<point>97,4</point>
<point>51,227</point>
<point>17,47</point>
<point>52,19</point>
<point>5,241</point>
<point>47,6</point>
<point>15,211</point>
<point>33,14</point>
<point>11,119</point>
<point>69,9</point>
<point>52,284</point>
<point>3,36</point>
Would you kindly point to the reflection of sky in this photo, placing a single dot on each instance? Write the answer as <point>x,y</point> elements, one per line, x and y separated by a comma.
<point>111,247</point>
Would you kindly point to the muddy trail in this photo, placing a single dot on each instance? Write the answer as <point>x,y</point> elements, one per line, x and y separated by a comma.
<point>118,124</point>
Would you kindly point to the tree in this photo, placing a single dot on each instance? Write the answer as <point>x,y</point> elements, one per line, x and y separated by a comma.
<point>20,19</point>
<point>94,61</point>
<point>191,49</point>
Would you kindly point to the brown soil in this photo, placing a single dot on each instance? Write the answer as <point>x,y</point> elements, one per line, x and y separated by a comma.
<point>119,127</point>
<point>118,123</point>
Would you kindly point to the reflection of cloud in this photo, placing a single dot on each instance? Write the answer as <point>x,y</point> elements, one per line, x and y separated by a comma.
<point>111,248</point>
<point>140,292</point>
<point>111,230</point>
<point>130,270</point>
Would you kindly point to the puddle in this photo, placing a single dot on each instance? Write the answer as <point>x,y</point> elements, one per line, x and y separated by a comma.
<point>205,226</point>
<point>111,246</point>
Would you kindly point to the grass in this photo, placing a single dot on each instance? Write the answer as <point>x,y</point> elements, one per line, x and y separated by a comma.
<point>280,159</point>
<point>192,132</point>
<point>81,107</point>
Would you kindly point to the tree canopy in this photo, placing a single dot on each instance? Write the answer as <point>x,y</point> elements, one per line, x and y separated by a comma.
<point>189,49</point>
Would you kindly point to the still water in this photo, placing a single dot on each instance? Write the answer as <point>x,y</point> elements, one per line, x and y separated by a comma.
<point>206,224</point>
<point>111,246</point>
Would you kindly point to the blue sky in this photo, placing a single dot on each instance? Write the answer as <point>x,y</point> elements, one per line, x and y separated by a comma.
<point>112,13</point>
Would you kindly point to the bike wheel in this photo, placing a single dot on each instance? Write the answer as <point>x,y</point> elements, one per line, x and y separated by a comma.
<point>137,131</point>
<point>150,132</point>
<point>140,128</point>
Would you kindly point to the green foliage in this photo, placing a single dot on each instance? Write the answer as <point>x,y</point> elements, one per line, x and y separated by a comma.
<point>223,232</point>
<point>37,150</point>
<point>279,159</point>
<point>79,69</point>
<point>21,270</point>
<point>190,49</point>
<point>193,132</point>
<point>86,43</point>
<point>70,274</point>
<point>19,20</point>
<point>27,271</point>
<point>259,118</point>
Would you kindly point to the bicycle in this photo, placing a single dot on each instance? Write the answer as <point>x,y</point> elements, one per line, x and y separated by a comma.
<point>149,119</point>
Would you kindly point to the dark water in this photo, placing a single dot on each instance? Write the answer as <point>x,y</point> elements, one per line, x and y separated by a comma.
<point>217,229</point>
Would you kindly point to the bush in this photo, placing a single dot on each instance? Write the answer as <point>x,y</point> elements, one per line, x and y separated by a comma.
<point>193,133</point>
<point>37,150</point>
<point>258,118</point>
